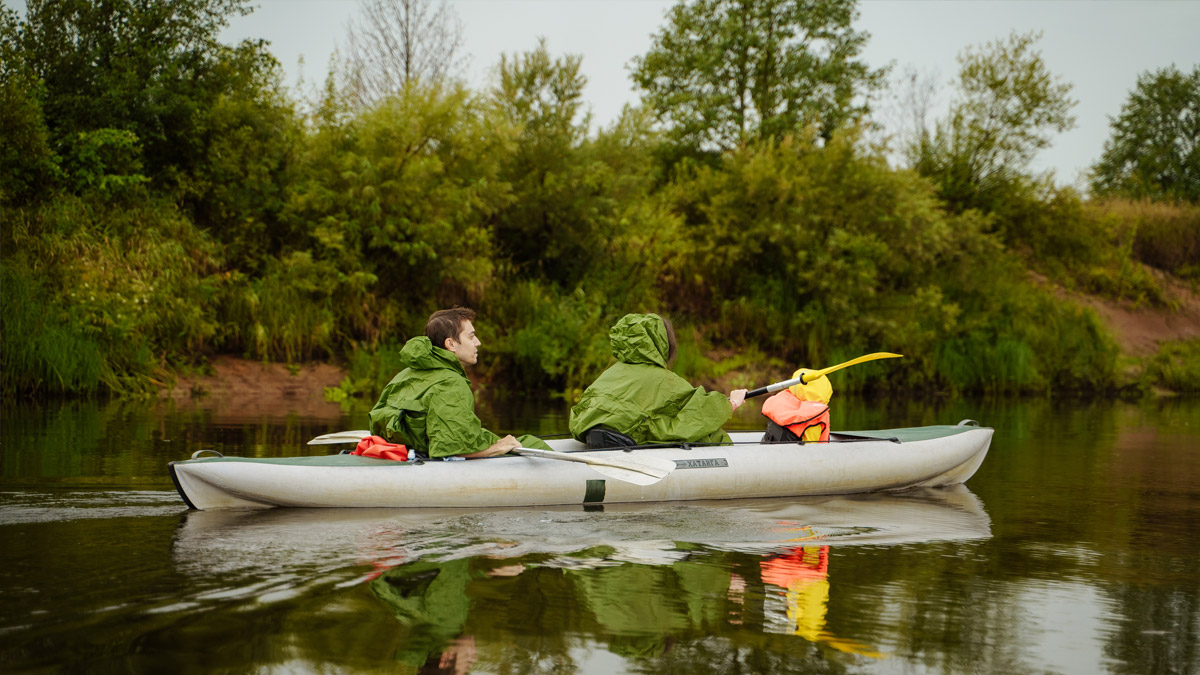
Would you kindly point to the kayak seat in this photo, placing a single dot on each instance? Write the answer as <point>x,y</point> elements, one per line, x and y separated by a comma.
<point>779,434</point>
<point>601,436</point>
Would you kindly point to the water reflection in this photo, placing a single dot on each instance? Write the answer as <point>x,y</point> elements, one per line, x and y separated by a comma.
<point>430,599</point>
<point>800,607</point>
<point>634,580</point>
<point>269,540</point>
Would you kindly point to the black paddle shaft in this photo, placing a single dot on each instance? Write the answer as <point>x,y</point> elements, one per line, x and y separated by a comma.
<point>774,387</point>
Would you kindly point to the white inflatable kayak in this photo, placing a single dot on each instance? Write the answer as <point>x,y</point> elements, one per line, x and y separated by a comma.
<point>851,462</point>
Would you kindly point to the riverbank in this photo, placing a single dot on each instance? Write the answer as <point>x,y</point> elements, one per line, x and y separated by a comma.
<point>1141,330</point>
<point>254,388</point>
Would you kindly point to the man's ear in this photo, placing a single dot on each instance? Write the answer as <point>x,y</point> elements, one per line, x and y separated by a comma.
<point>446,344</point>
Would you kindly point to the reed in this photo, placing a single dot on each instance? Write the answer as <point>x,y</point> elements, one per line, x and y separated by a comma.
<point>38,353</point>
<point>287,314</point>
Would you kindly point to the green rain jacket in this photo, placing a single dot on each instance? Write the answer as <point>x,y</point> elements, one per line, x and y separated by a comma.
<point>429,407</point>
<point>640,398</point>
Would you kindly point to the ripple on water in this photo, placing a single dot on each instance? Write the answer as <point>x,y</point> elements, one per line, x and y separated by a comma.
<point>49,507</point>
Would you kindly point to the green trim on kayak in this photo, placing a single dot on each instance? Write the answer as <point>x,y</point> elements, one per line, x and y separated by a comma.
<point>318,460</point>
<point>911,434</point>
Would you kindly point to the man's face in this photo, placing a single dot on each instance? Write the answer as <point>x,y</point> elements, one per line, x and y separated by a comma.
<point>466,345</point>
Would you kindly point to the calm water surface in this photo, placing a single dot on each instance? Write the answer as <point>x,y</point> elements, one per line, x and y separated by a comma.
<point>1075,549</point>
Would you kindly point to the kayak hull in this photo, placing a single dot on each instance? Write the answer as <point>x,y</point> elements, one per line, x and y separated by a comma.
<point>868,461</point>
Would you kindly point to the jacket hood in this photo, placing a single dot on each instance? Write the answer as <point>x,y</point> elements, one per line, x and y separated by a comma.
<point>420,354</point>
<point>640,338</point>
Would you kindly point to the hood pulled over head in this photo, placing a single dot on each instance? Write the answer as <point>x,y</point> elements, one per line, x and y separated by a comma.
<point>640,338</point>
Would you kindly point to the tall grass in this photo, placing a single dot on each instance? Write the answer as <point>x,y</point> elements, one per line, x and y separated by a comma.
<point>40,353</point>
<point>1176,366</point>
<point>288,313</point>
<point>94,291</point>
<point>1164,235</point>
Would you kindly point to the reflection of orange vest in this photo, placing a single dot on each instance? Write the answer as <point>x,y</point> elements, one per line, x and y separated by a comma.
<point>797,416</point>
<point>802,563</point>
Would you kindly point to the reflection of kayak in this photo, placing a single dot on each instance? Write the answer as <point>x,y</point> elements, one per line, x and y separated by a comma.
<point>864,461</point>
<point>280,540</point>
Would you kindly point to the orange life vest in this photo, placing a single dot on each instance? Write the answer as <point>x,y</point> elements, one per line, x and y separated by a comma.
<point>379,448</point>
<point>798,416</point>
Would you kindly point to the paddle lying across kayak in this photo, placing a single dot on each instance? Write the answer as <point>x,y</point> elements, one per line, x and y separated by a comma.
<point>851,462</point>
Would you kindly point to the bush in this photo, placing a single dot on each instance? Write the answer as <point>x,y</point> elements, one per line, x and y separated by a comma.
<point>1176,366</point>
<point>1164,235</point>
<point>117,289</point>
<point>544,337</point>
<point>40,353</point>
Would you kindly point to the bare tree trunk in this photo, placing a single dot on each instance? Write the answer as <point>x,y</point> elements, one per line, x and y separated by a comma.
<point>395,42</point>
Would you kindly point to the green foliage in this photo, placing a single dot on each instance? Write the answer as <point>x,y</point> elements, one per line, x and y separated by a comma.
<point>1008,104</point>
<point>171,203</point>
<point>548,336</point>
<point>559,214</point>
<point>723,72</point>
<point>249,136</point>
<point>1032,342</point>
<point>147,68</point>
<point>27,163</point>
<point>288,313</point>
<point>1154,150</point>
<point>105,161</point>
<point>818,253</point>
<point>368,371</point>
<point>1164,235</point>
<point>397,200</point>
<point>40,354</point>
<point>696,360</point>
<point>116,284</point>
<point>796,247</point>
<point>1176,366</point>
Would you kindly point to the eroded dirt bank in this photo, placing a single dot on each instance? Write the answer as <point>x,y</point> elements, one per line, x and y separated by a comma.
<point>238,387</point>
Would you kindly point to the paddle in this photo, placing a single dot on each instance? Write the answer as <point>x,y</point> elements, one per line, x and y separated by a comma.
<point>641,471</point>
<point>809,377</point>
<point>340,437</point>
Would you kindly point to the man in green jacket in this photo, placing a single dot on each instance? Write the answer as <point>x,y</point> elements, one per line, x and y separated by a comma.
<point>639,397</point>
<point>428,406</point>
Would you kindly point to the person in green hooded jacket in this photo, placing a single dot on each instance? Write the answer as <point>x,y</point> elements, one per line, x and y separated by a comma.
<point>429,406</point>
<point>639,397</point>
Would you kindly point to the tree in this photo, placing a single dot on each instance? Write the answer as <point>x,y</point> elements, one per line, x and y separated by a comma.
<point>1007,107</point>
<point>552,228</point>
<point>1154,150</point>
<point>726,71</point>
<point>395,42</point>
<point>396,204</point>
<point>905,115</point>
<point>27,163</point>
<point>150,68</point>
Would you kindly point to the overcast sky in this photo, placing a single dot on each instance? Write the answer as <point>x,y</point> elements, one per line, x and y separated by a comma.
<point>1098,46</point>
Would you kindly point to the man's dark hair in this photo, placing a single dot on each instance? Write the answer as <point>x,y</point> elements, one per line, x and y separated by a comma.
<point>670,337</point>
<point>447,323</point>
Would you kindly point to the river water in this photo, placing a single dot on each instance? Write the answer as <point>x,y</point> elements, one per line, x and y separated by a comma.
<point>1074,549</point>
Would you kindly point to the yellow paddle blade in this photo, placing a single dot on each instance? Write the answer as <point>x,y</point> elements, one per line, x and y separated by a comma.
<point>809,377</point>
